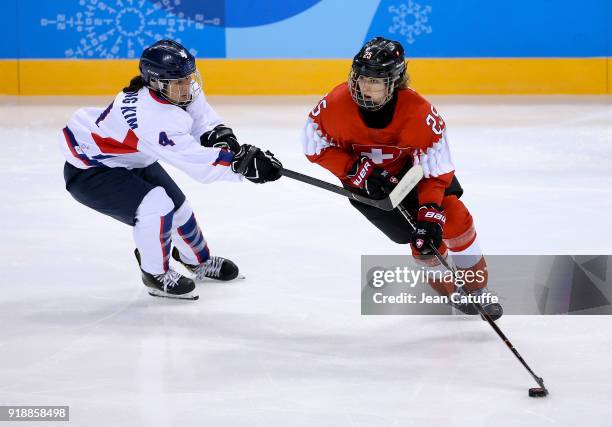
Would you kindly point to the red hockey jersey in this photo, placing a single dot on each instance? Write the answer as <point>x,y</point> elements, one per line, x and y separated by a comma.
<point>335,135</point>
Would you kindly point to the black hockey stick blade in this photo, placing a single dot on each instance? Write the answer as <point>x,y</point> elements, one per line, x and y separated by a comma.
<point>401,190</point>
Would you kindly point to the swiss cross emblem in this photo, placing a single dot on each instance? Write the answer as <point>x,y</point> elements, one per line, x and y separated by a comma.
<point>378,155</point>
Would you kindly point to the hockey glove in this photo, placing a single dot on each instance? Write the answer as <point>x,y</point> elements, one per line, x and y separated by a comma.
<point>220,137</point>
<point>257,166</point>
<point>376,182</point>
<point>429,226</point>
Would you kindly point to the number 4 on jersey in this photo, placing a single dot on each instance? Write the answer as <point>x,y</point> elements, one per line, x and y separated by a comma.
<point>164,140</point>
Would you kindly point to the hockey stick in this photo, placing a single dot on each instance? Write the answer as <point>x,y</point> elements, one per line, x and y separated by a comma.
<point>401,190</point>
<point>488,318</point>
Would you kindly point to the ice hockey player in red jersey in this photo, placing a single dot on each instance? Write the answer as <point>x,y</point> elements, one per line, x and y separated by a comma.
<point>369,131</point>
<point>112,166</point>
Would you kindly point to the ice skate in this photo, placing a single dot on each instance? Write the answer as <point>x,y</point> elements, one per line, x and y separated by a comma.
<point>493,309</point>
<point>170,284</point>
<point>215,267</point>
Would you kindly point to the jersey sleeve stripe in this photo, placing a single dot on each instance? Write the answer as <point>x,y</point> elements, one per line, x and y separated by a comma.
<point>435,160</point>
<point>224,159</point>
<point>76,151</point>
<point>313,140</point>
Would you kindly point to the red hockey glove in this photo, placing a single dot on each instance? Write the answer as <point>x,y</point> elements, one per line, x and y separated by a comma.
<point>376,182</point>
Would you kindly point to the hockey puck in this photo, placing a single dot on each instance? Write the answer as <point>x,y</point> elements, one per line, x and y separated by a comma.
<point>538,392</point>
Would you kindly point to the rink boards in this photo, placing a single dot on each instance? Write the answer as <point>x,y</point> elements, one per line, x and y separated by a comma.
<point>317,76</point>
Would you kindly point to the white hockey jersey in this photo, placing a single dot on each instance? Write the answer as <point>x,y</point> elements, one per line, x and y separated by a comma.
<point>139,128</point>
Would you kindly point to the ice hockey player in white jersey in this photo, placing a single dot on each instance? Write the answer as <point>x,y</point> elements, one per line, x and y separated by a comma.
<point>112,166</point>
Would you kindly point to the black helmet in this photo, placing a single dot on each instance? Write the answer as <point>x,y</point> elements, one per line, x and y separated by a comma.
<point>379,58</point>
<point>166,61</point>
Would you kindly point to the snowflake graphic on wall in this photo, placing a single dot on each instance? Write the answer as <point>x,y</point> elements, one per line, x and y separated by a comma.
<point>122,28</point>
<point>410,20</point>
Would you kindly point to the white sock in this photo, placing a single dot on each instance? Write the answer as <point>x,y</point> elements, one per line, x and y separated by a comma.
<point>152,232</point>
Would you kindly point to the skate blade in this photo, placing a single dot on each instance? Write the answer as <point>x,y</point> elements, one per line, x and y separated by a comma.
<point>161,294</point>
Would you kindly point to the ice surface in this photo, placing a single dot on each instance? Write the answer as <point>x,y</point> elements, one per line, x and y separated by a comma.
<point>287,346</point>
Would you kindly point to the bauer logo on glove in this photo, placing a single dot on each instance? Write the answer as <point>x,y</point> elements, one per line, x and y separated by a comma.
<point>435,216</point>
<point>376,182</point>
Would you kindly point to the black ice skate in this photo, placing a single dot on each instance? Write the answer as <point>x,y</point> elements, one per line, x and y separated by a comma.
<point>493,309</point>
<point>213,268</point>
<point>170,284</point>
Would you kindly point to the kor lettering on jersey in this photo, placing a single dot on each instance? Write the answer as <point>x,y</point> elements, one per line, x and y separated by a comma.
<point>129,113</point>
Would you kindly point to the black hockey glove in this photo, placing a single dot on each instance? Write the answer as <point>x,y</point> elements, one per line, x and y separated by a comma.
<point>257,166</point>
<point>378,183</point>
<point>429,227</point>
<point>220,137</point>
